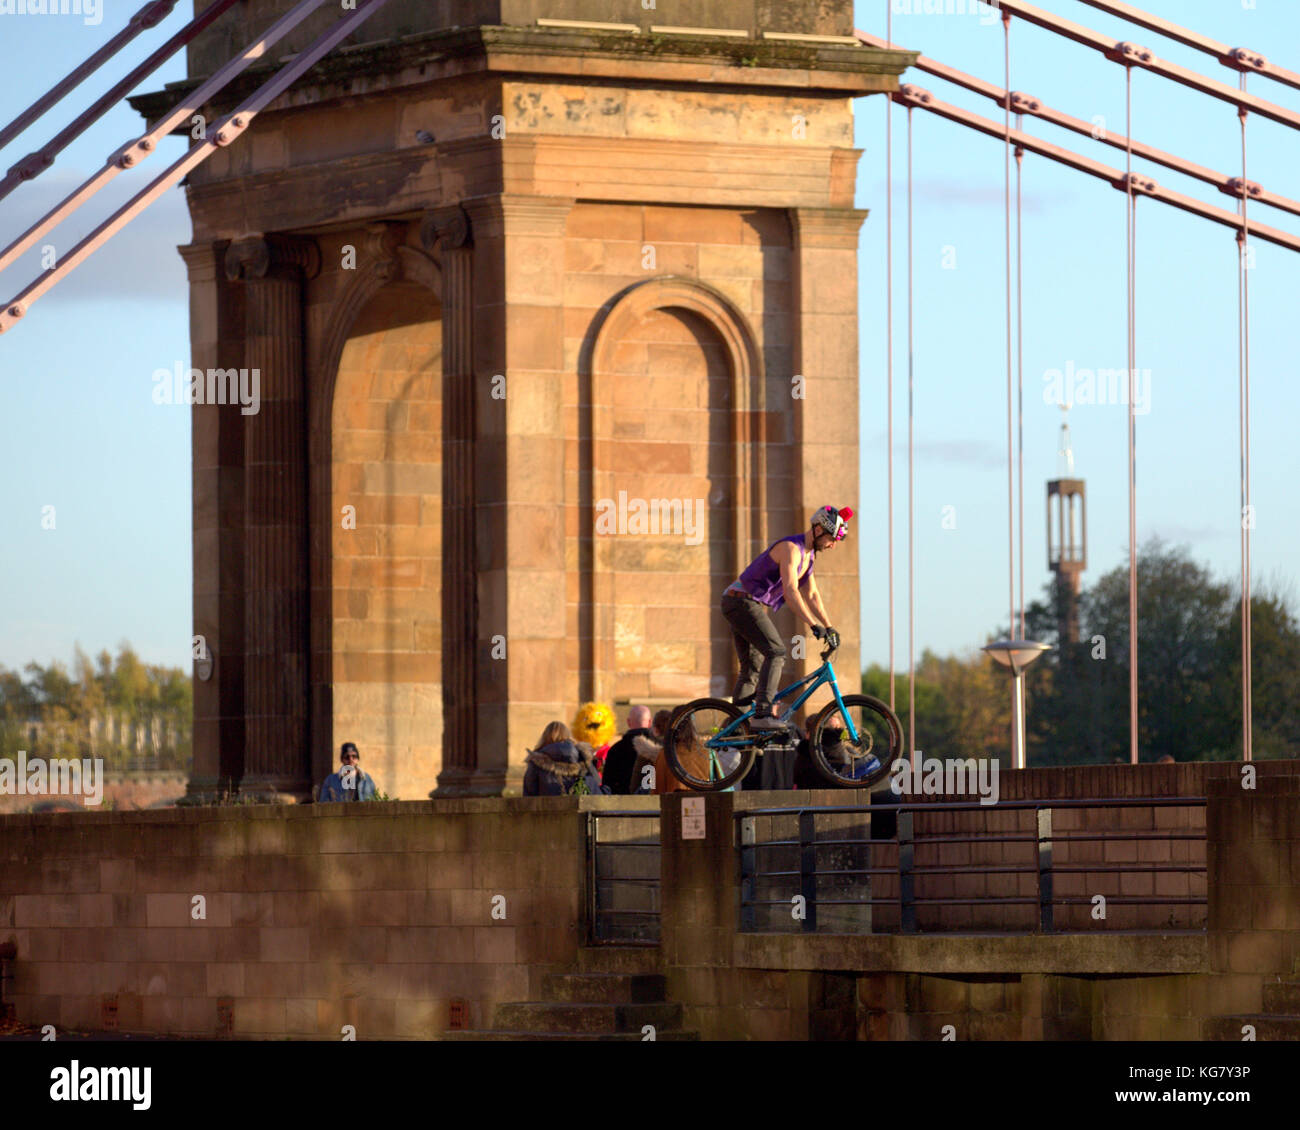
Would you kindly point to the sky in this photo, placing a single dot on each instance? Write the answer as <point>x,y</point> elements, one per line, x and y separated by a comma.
<point>79,431</point>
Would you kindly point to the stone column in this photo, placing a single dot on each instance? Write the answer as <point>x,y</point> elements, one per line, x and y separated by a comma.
<point>445,234</point>
<point>276,536</point>
<point>217,453</point>
<point>518,289</point>
<point>826,418</point>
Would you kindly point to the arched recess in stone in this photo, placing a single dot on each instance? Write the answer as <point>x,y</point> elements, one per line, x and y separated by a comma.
<point>375,435</point>
<point>688,302</point>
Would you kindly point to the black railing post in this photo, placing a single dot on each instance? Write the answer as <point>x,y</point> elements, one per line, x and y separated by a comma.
<point>906,873</point>
<point>808,868</point>
<point>1046,922</point>
<point>593,932</point>
<point>748,874</point>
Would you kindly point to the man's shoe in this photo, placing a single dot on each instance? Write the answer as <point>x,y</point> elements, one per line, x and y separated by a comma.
<point>766,722</point>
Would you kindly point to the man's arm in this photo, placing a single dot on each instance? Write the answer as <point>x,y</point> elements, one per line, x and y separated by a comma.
<point>784,556</point>
<point>814,598</point>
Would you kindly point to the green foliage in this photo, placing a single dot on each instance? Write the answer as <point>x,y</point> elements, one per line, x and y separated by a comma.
<point>56,713</point>
<point>963,705</point>
<point>1077,695</point>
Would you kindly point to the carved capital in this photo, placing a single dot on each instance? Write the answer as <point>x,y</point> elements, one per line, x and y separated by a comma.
<point>272,256</point>
<point>445,229</point>
<point>382,243</point>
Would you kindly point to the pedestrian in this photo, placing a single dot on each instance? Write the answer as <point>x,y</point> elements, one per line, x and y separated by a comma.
<point>559,766</point>
<point>617,774</point>
<point>349,783</point>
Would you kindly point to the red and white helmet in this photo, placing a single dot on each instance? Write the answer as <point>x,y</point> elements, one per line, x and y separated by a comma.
<point>834,522</point>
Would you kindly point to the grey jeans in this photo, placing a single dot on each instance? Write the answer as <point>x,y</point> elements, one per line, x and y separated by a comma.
<point>760,648</point>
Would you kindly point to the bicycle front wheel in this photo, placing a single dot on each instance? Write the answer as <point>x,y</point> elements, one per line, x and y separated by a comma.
<point>707,748</point>
<point>860,763</point>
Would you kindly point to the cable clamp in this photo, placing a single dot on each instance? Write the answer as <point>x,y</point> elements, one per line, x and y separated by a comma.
<point>1131,54</point>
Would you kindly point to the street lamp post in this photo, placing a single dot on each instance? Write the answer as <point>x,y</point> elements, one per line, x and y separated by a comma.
<point>1017,655</point>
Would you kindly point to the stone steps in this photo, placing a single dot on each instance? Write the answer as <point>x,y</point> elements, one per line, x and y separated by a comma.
<point>1282,998</point>
<point>489,1034</point>
<point>619,959</point>
<point>1280,1019</point>
<point>569,1016</point>
<point>616,993</point>
<point>611,988</point>
<point>1266,1027</point>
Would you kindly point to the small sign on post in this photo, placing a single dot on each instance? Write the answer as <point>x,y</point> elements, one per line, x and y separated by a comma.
<point>693,818</point>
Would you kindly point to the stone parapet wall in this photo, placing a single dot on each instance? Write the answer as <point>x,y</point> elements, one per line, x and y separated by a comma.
<point>379,915</point>
<point>373,915</point>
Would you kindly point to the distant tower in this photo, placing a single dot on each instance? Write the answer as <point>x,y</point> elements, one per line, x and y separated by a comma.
<point>1067,534</point>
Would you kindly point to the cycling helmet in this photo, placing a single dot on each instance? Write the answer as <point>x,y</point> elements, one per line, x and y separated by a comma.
<point>834,522</point>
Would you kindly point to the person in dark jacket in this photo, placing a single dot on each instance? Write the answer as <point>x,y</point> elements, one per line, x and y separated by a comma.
<point>560,766</point>
<point>622,754</point>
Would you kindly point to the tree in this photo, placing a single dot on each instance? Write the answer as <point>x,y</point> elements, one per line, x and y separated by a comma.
<point>1274,676</point>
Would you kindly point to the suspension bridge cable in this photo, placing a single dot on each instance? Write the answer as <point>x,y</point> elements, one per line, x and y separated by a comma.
<point>911,474</point>
<point>1247,513</point>
<point>1020,374</point>
<point>1131,233</point>
<point>889,341</point>
<point>1011,525</point>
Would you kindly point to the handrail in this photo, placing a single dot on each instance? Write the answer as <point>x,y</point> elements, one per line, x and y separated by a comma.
<point>1130,55</point>
<point>1021,103</point>
<point>1042,839</point>
<point>225,133</point>
<point>952,806</point>
<point>918,98</point>
<point>149,16</point>
<point>36,163</point>
<point>134,153</point>
<point>1235,58</point>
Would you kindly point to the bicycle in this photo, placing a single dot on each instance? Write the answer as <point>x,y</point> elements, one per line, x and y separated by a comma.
<point>710,746</point>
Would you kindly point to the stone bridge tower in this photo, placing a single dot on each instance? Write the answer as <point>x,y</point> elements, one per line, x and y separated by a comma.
<point>507,268</point>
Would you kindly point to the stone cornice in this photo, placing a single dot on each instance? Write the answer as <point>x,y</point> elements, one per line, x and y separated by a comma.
<point>827,227</point>
<point>203,261</point>
<point>515,214</point>
<point>660,60</point>
<point>289,199</point>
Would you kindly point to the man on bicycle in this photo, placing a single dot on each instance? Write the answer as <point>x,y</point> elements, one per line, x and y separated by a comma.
<point>782,572</point>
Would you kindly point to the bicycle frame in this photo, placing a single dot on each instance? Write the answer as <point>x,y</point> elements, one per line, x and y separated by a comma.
<point>824,674</point>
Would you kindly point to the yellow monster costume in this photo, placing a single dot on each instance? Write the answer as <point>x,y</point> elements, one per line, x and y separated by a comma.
<point>594,724</point>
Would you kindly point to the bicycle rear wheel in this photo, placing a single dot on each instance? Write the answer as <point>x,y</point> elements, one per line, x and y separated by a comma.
<point>706,748</point>
<point>856,764</point>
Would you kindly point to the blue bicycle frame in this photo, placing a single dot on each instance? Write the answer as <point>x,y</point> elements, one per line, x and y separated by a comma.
<point>824,674</point>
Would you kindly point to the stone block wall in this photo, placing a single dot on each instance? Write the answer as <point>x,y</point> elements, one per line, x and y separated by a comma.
<point>372,915</point>
<point>386,515</point>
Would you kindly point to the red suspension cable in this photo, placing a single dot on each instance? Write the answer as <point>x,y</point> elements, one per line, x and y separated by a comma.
<point>1247,513</point>
<point>889,343</point>
<point>911,477</point>
<point>1132,427</point>
<point>1011,525</point>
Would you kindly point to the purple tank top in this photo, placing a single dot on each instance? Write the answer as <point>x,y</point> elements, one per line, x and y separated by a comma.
<point>762,578</point>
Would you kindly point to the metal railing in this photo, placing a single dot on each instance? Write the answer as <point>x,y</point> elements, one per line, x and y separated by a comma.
<point>836,883</point>
<point>623,877</point>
